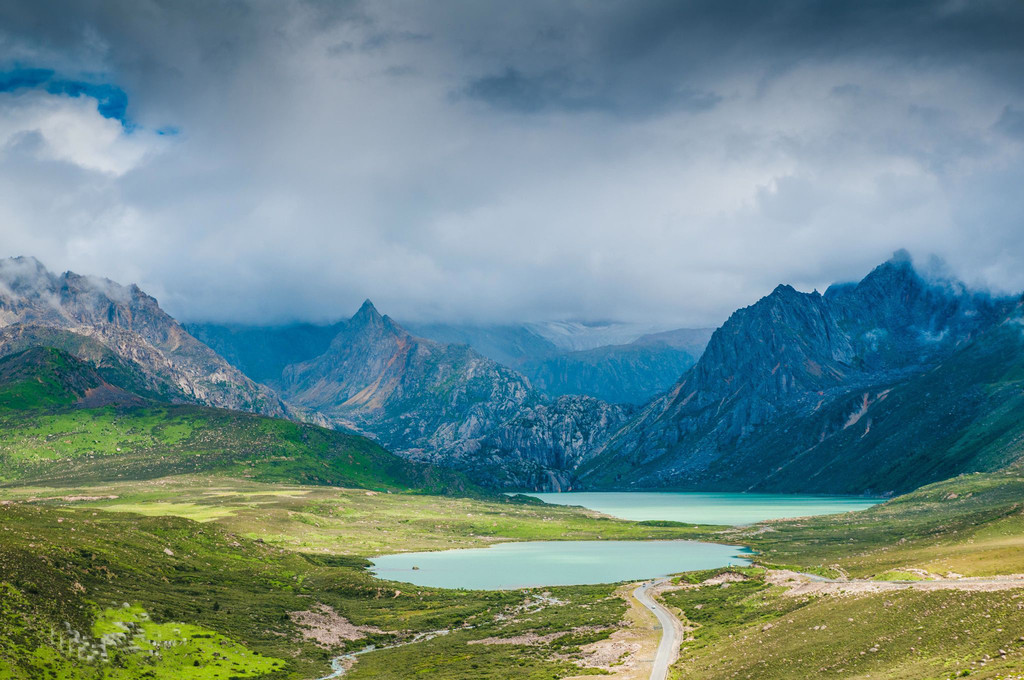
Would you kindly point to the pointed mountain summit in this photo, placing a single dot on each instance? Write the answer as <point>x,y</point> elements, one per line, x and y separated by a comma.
<point>375,369</point>
<point>367,313</point>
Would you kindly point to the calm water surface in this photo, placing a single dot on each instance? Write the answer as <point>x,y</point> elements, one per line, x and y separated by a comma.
<point>554,563</point>
<point>707,508</point>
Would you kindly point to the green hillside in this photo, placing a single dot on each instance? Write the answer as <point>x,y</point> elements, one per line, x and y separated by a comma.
<point>114,596</point>
<point>18,338</point>
<point>63,422</point>
<point>971,525</point>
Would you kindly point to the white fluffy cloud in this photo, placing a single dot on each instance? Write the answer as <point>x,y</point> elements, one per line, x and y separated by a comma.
<point>57,127</point>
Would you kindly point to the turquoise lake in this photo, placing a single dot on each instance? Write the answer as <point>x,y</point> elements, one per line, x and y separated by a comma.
<point>554,563</point>
<point>706,508</point>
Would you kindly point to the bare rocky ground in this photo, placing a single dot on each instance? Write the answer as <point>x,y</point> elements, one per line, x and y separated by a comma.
<point>327,628</point>
<point>800,585</point>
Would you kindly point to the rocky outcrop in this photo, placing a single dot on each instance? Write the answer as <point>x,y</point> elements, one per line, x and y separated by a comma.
<point>540,448</point>
<point>129,323</point>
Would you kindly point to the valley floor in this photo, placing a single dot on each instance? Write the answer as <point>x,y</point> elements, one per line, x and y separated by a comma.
<point>206,576</point>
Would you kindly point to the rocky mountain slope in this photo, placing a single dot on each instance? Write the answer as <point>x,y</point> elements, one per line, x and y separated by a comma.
<point>446,403</point>
<point>130,324</point>
<point>790,377</point>
<point>878,386</point>
<point>629,373</point>
<point>539,448</point>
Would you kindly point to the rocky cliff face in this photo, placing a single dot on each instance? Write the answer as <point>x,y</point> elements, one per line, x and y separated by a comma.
<point>447,404</point>
<point>780,364</point>
<point>129,323</point>
<point>539,448</point>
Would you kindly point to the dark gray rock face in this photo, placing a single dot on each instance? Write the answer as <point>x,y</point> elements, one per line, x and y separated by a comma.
<point>129,323</point>
<point>539,448</point>
<point>758,391</point>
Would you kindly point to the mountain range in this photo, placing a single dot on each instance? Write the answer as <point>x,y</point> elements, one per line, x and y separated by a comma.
<point>877,386</point>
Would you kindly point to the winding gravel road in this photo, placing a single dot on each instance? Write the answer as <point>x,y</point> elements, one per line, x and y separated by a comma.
<point>671,630</point>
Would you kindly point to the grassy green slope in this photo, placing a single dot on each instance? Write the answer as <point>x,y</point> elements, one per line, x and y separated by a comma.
<point>49,434</point>
<point>971,525</point>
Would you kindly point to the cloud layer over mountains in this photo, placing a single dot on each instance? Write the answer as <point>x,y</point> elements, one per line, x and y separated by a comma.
<point>528,160</point>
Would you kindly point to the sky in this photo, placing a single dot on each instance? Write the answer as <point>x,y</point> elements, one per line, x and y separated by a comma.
<point>644,161</point>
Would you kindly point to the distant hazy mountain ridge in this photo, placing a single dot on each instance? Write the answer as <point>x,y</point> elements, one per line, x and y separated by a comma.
<point>632,373</point>
<point>620,363</point>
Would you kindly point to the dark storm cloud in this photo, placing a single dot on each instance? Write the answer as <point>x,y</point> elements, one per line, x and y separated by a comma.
<point>645,57</point>
<point>517,92</point>
<point>636,160</point>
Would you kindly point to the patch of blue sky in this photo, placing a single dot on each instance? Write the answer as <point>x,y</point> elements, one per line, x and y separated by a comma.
<point>111,100</point>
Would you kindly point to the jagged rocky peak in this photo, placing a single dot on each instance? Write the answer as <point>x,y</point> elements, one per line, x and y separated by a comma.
<point>778,365</point>
<point>25,276</point>
<point>367,313</point>
<point>368,321</point>
<point>899,313</point>
<point>785,342</point>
